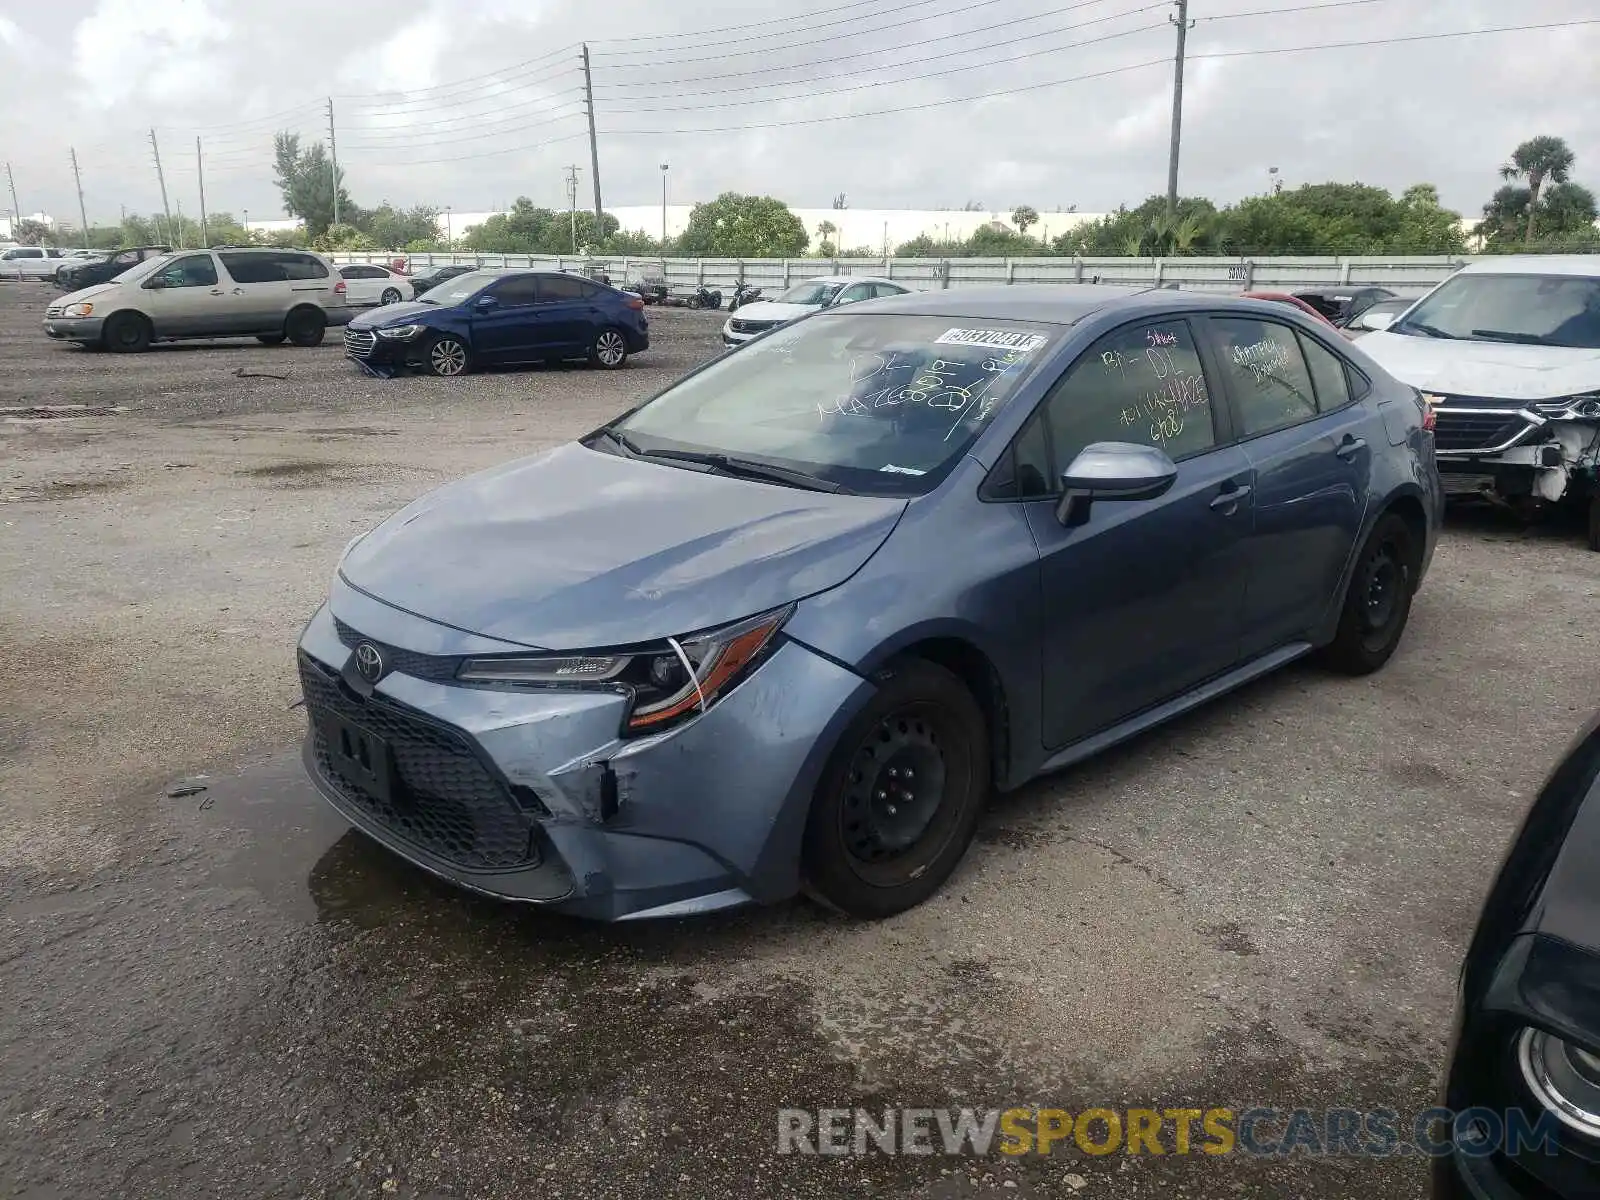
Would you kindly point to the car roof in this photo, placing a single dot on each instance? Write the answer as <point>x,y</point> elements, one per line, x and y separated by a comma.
<point>1063,303</point>
<point>1536,264</point>
<point>851,279</point>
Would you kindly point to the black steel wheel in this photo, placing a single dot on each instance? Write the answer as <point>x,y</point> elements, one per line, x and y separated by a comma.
<point>305,327</point>
<point>126,333</point>
<point>1378,604</point>
<point>900,798</point>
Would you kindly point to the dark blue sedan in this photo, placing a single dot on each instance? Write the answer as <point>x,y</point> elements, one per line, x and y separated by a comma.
<point>502,318</point>
<point>788,624</point>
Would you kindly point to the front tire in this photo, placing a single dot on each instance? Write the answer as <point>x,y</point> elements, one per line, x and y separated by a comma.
<point>305,327</point>
<point>1594,523</point>
<point>390,296</point>
<point>1378,604</point>
<point>609,351</point>
<point>126,333</point>
<point>447,356</point>
<point>900,797</point>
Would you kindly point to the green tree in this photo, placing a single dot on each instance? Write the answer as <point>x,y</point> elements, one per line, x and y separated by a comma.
<point>1568,213</point>
<point>736,226</point>
<point>305,177</point>
<point>1023,216</point>
<point>826,247</point>
<point>30,233</point>
<point>529,229</point>
<point>391,228</point>
<point>345,237</point>
<point>1538,161</point>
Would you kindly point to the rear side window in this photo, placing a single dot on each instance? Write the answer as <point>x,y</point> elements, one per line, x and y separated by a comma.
<point>1327,375</point>
<point>252,268</point>
<point>302,266</point>
<point>1266,373</point>
<point>556,288</point>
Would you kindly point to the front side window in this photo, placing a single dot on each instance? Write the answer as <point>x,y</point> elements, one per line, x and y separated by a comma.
<point>856,291</point>
<point>517,291</point>
<point>883,404</point>
<point>1266,373</point>
<point>1531,310</point>
<point>457,289</point>
<point>192,270</point>
<point>1142,383</point>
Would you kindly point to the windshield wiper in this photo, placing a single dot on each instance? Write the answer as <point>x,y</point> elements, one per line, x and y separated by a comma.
<point>1507,335</point>
<point>1427,330</point>
<point>748,468</point>
<point>623,440</point>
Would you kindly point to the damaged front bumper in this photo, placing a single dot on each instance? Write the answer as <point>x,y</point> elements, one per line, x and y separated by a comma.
<point>1544,450</point>
<point>531,795</point>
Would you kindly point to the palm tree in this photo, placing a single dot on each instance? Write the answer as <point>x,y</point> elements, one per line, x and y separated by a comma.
<point>1023,216</point>
<point>1539,160</point>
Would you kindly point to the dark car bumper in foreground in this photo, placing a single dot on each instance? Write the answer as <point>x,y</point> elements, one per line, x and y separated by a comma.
<point>532,796</point>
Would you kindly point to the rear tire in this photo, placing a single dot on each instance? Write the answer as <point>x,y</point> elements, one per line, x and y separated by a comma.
<point>610,350</point>
<point>900,797</point>
<point>1594,523</point>
<point>270,339</point>
<point>1378,603</point>
<point>126,333</point>
<point>390,296</point>
<point>305,327</point>
<point>447,356</point>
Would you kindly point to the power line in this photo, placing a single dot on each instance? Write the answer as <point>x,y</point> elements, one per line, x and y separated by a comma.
<point>494,153</point>
<point>472,87</point>
<point>803,17</point>
<point>1394,41</point>
<point>761,37</point>
<point>965,35</point>
<point>977,66</point>
<point>385,139</point>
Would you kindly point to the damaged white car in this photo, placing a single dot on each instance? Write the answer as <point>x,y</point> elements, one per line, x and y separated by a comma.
<point>1508,353</point>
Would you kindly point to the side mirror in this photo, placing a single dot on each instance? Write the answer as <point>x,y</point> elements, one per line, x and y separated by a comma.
<point>486,302</point>
<point>1112,471</point>
<point>156,282</point>
<point>1374,322</point>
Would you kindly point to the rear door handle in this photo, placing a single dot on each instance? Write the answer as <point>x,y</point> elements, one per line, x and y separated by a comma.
<point>1227,500</point>
<point>1350,447</point>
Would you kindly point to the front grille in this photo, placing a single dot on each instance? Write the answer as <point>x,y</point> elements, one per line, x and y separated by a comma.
<point>1463,430</point>
<point>444,800</point>
<point>359,341</point>
<point>437,667</point>
<point>753,326</point>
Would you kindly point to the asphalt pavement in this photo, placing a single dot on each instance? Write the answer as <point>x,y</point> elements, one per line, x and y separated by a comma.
<point>227,992</point>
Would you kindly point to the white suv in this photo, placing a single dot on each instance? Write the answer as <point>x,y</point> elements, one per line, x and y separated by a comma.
<point>1508,353</point>
<point>30,262</point>
<point>271,295</point>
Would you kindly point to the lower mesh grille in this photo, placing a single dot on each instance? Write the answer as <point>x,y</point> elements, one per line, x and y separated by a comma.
<point>443,798</point>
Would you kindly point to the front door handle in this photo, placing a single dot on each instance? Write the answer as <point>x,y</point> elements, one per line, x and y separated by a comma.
<point>1227,500</point>
<point>1350,447</point>
<point>216,291</point>
<point>238,291</point>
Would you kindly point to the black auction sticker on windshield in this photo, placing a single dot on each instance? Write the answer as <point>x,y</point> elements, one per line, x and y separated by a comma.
<point>992,339</point>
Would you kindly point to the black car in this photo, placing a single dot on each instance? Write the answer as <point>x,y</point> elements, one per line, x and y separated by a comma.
<point>1524,1073</point>
<point>86,272</point>
<point>652,289</point>
<point>1342,305</point>
<point>432,277</point>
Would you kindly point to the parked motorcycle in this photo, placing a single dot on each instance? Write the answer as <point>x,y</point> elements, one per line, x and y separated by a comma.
<point>704,297</point>
<point>743,293</point>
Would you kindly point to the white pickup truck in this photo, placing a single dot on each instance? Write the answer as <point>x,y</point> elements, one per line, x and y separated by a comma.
<point>30,262</point>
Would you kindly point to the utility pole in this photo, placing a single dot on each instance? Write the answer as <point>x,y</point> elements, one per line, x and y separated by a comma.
<point>594,146</point>
<point>333,147</point>
<point>663,208</point>
<point>162,180</point>
<point>572,202</point>
<point>1184,24</point>
<point>200,170</point>
<point>78,180</point>
<point>179,231</point>
<point>16,209</point>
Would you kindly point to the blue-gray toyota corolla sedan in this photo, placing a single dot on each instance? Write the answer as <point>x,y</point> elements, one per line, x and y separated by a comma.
<point>786,625</point>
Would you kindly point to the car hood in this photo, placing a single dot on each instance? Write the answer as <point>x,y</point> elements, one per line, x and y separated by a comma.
<point>88,293</point>
<point>387,314</point>
<point>1492,369</point>
<point>771,310</point>
<point>577,549</point>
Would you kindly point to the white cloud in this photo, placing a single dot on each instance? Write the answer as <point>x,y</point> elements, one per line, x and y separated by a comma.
<point>166,51</point>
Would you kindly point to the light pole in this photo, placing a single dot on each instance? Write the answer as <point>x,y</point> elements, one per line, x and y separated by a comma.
<point>1272,181</point>
<point>449,232</point>
<point>663,208</point>
<point>247,225</point>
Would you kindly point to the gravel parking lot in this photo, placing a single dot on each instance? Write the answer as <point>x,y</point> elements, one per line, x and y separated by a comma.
<point>229,993</point>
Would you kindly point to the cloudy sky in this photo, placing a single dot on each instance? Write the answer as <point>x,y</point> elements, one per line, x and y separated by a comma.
<point>471,103</point>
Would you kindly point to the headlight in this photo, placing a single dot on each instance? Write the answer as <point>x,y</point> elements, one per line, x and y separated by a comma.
<point>81,309</point>
<point>1586,406</point>
<point>1563,1078</point>
<point>400,331</point>
<point>665,684</point>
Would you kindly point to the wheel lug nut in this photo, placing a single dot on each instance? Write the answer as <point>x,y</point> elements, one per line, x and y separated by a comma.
<point>882,794</point>
<point>908,773</point>
<point>891,810</point>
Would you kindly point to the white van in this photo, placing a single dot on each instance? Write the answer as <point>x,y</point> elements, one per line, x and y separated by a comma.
<point>271,295</point>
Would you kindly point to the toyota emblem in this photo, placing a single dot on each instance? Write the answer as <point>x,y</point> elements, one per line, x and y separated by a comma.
<point>369,662</point>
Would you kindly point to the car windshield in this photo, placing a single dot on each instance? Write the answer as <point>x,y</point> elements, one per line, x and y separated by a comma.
<point>454,291</point>
<point>1533,310</point>
<point>815,292</point>
<point>148,267</point>
<point>872,403</point>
